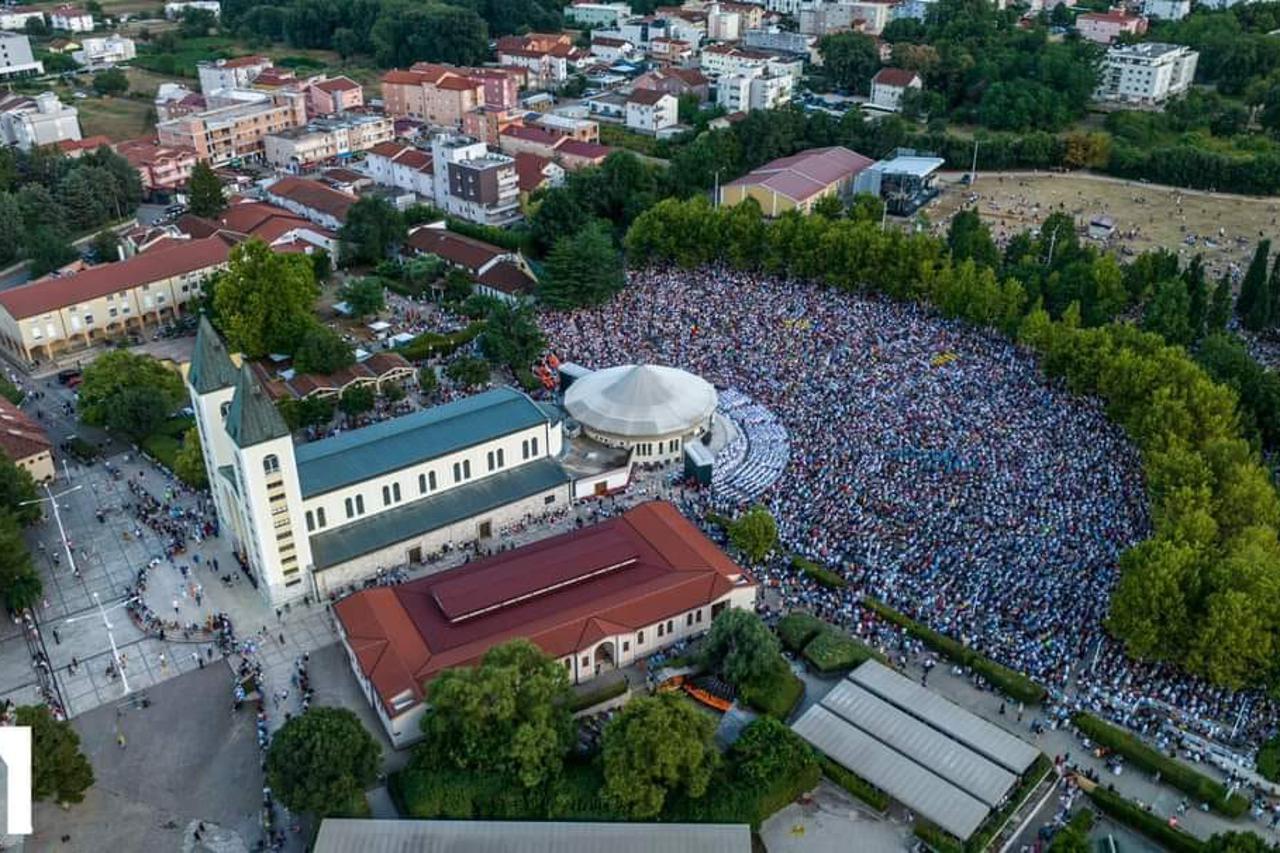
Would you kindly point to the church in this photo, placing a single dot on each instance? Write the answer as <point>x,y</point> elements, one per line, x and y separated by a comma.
<point>312,518</point>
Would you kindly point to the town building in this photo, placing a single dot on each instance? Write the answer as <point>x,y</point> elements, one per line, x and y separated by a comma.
<point>235,124</point>
<point>905,182</point>
<point>670,52</point>
<point>238,73</point>
<point>755,89</point>
<point>652,112</point>
<point>16,59</point>
<point>173,10</point>
<point>474,183</point>
<point>487,123</point>
<point>649,410</point>
<point>174,100</point>
<point>519,139</point>
<point>573,154</point>
<point>612,50</point>
<point>568,126</point>
<point>824,18</point>
<point>160,168</point>
<point>16,17</point>
<point>1166,10</point>
<point>535,172</point>
<point>437,94</point>
<point>596,599</point>
<point>336,136</point>
<point>1106,27</point>
<point>343,835</point>
<point>782,41</point>
<point>676,81</point>
<point>282,230</point>
<point>394,164</point>
<point>28,123</point>
<point>333,95</point>
<point>25,443</point>
<point>57,313</point>
<point>889,85</point>
<point>70,19</point>
<point>105,51</point>
<point>597,16</point>
<point>545,57</point>
<point>796,182</point>
<point>1148,73</point>
<point>312,200</point>
<point>497,272</point>
<point>720,59</point>
<point>74,149</point>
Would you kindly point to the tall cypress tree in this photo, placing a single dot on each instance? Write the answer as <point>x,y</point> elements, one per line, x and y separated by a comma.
<point>1198,290</point>
<point>1254,287</point>
<point>1220,310</point>
<point>1273,292</point>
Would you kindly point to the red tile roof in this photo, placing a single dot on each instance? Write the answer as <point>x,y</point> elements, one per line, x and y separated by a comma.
<point>244,61</point>
<point>91,143</point>
<point>313,195</point>
<point>589,150</point>
<point>20,436</point>
<point>806,174</point>
<point>386,149</point>
<point>50,293</point>
<point>529,170</point>
<point>466,252</point>
<point>459,84</point>
<point>531,134</point>
<point>337,84</point>
<point>899,77</point>
<point>508,278</point>
<point>649,97</point>
<point>564,594</point>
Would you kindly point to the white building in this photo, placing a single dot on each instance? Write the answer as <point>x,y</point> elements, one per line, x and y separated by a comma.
<point>755,89</point>
<point>105,51</point>
<point>238,73</point>
<point>597,16</point>
<point>15,56</point>
<point>1148,73</point>
<point>890,84</point>
<point>326,138</point>
<point>1168,10</point>
<point>71,19</point>
<point>612,50</point>
<point>473,182</point>
<point>824,18</point>
<point>173,10</point>
<point>16,17</point>
<point>311,519</point>
<point>718,59</point>
<point>650,111</point>
<point>393,164</point>
<point>786,7</point>
<point>31,122</point>
<point>775,39</point>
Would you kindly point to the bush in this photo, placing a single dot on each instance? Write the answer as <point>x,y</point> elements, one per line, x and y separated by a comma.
<point>834,651</point>
<point>582,701</point>
<point>431,343</point>
<point>1269,760</point>
<point>854,784</point>
<point>776,695</point>
<point>83,450</point>
<point>938,839</point>
<point>10,391</point>
<point>1191,782</point>
<point>1011,683</point>
<point>1153,826</point>
<point>820,574</point>
<point>795,630</point>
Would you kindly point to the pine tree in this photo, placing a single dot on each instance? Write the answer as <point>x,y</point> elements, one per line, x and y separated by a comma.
<point>1198,290</point>
<point>205,197</point>
<point>1261,311</point>
<point>1220,310</point>
<point>1254,285</point>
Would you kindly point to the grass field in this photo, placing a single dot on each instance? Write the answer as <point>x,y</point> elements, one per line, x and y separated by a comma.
<point>1146,216</point>
<point>115,118</point>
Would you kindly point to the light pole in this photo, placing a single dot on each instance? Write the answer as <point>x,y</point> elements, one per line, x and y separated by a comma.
<point>57,516</point>
<point>973,172</point>
<point>115,652</point>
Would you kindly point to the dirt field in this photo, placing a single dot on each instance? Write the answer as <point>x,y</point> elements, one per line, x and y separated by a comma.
<point>1223,227</point>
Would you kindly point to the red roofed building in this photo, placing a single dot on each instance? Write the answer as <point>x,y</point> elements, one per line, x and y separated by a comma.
<point>54,313</point>
<point>890,84</point>
<point>335,95</point>
<point>594,599</point>
<point>312,200</point>
<point>1106,27</point>
<point>394,164</point>
<point>536,172</point>
<point>518,139</point>
<point>437,94</point>
<point>675,81</point>
<point>75,148</point>
<point>545,57</point>
<point>25,442</point>
<point>159,167</point>
<point>495,271</point>
<point>574,155</point>
<point>796,182</point>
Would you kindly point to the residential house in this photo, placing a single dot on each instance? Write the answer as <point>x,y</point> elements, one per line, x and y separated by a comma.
<point>487,123</point>
<point>890,84</point>
<point>675,81</point>
<point>546,57</point>
<point>438,94</point>
<point>74,149</point>
<point>333,95</point>
<point>573,154</point>
<point>28,123</point>
<point>753,89</point>
<point>501,85</point>
<point>796,182</point>
<point>311,200</point>
<point>235,125</point>
<point>16,17</point>
<point>105,51</point>
<point>160,168</point>
<point>495,271</point>
<point>719,59</point>
<point>674,52</point>
<point>281,229</point>
<point>70,19</point>
<point>473,183</point>
<point>597,16</point>
<point>238,73</point>
<point>326,138</point>
<point>174,8</point>
<point>393,164</point>
<point>612,50</point>
<point>25,442</point>
<point>535,172</point>
<point>783,41</point>
<point>1148,73</point>
<point>651,112</point>
<point>533,140</point>
<point>568,127</point>
<point>174,100</point>
<point>56,313</point>
<point>15,57</point>
<point>1106,27</point>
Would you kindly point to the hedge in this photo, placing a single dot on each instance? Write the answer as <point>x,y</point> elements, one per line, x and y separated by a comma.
<point>819,573</point>
<point>432,343</point>
<point>776,695</point>
<point>795,630</point>
<point>1011,683</point>
<point>1191,782</point>
<point>834,651</point>
<point>595,697</point>
<point>937,839</point>
<point>1153,826</point>
<point>83,450</point>
<point>1074,834</point>
<point>989,827</point>
<point>1269,760</point>
<point>854,784</point>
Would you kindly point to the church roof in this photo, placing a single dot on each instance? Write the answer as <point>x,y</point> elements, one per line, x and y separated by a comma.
<point>211,368</point>
<point>359,455</point>
<point>252,418</point>
<point>640,400</point>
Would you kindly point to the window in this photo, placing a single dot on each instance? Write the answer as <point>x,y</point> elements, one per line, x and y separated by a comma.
<point>661,629</point>
<point>311,521</point>
<point>422,484</point>
<point>271,463</point>
<point>688,620</point>
<point>524,449</point>
<point>501,460</point>
<point>534,445</point>
<point>699,614</point>
<point>490,460</point>
<point>586,661</point>
<point>386,496</point>
<point>568,664</point>
<point>321,522</point>
<point>431,480</point>
<point>640,638</point>
<point>395,492</point>
<point>466,469</point>
<point>671,626</point>
<point>350,511</point>
<point>626,646</point>
<point>359,504</point>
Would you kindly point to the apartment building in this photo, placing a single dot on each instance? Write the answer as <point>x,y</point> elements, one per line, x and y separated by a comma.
<point>568,127</point>
<point>160,168</point>
<point>753,89</point>
<point>393,164</point>
<point>720,59</point>
<point>325,138</point>
<point>487,123</point>
<point>673,52</point>
<point>28,123</point>
<point>824,18</point>
<point>1149,73</point>
<point>612,50</point>
<point>1166,10</point>
<point>15,56</point>
<point>16,17</point>
<point>652,112</point>
<point>71,19</point>
<point>437,94</point>
<point>236,124</point>
<point>238,73</point>
<point>104,51</point>
<point>783,41</point>
<point>333,95</point>
<point>547,58</point>
<point>473,183</point>
<point>1106,27</point>
<point>597,16</point>
<point>675,81</point>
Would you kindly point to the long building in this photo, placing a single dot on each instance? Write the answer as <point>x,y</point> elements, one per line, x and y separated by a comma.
<point>236,124</point>
<point>796,182</point>
<point>595,599</point>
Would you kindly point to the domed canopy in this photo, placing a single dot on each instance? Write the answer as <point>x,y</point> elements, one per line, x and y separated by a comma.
<point>640,401</point>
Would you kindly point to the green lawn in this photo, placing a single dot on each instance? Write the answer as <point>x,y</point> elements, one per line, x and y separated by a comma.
<point>115,118</point>
<point>777,695</point>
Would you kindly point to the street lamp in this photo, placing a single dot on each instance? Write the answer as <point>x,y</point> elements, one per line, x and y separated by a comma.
<point>115,652</point>
<point>57,516</point>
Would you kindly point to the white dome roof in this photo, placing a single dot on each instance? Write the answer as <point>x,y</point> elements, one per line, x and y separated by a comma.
<point>640,400</point>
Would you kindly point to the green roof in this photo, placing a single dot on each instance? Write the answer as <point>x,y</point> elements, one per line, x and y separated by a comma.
<point>349,541</point>
<point>252,418</point>
<point>372,451</point>
<point>211,368</point>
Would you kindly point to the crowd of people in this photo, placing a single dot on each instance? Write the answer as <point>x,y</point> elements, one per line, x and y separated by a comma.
<point>932,465</point>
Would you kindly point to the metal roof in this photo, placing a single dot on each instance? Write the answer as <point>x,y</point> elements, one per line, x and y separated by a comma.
<point>982,737</point>
<point>907,782</point>
<point>920,742</point>
<point>372,451</point>
<point>342,835</point>
<point>211,368</point>
<point>640,400</point>
<point>918,166</point>
<point>348,541</point>
<point>253,418</point>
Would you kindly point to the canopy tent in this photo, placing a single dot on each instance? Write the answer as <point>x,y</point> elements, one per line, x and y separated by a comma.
<point>640,400</point>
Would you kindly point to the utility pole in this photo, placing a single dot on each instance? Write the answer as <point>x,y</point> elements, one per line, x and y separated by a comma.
<point>715,192</point>
<point>973,171</point>
<point>1053,241</point>
<point>57,517</point>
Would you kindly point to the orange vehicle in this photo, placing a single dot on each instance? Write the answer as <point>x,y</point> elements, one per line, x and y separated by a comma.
<point>708,699</point>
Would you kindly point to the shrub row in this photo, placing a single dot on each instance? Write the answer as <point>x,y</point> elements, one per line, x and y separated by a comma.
<point>854,784</point>
<point>819,573</point>
<point>835,651</point>
<point>987,831</point>
<point>1152,826</point>
<point>1011,683</point>
<point>1269,760</point>
<point>776,695</point>
<point>594,697</point>
<point>937,839</point>
<point>1191,782</point>
<point>431,343</point>
<point>795,630</point>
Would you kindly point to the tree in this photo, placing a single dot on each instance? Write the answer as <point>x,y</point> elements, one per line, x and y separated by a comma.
<point>196,23</point>
<point>364,296</point>
<point>129,392</point>
<point>106,247</point>
<point>654,747</point>
<point>357,400</point>
<point>1169,313</point>
<point>1220,308</point>
<point>1273,293</point>
<point>48,249</point>
<point>262,302</point>
<point>829,206</point>
<point>188,464</point>
<point>17,488</point>
<point>741,647</point>
<point>322,761</point>
<point>468,372</point>
<point>19,583</point>
<point>407,33</point>
<point>511,336</point>
<point>583,269</point>
<point>767,751</point>
<point>322,350</point>
<point>59,770</point>
<point>558,215</point>
<point>970,239</point>
<point>510,714</point>
<point>205,196</point>
<point>1237,842</point>
<point>1254,284</point>
<point>110,82</point>
<point>850,60</point>
<point>374,230</point>
<point>754,533</point>
<point>428,382</point>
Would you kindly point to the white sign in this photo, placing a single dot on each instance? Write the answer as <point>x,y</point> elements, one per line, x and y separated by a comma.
<point>15,752</point>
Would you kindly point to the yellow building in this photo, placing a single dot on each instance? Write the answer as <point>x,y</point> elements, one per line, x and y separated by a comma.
<point>796,182</point>
<point>25,442</point>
